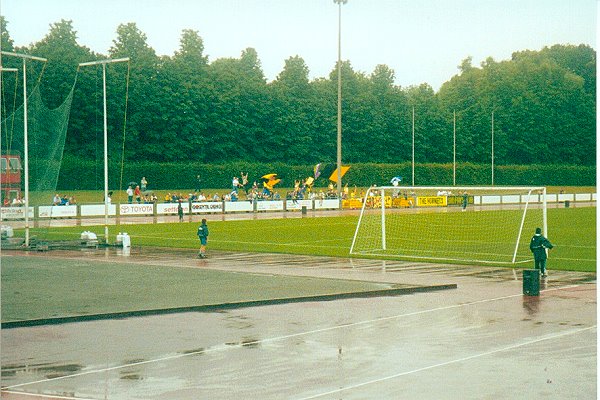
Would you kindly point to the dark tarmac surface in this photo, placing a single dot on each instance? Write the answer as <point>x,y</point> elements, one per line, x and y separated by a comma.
<point>483,340</point>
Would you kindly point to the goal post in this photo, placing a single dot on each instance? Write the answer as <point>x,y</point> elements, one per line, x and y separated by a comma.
<point>468,224</point>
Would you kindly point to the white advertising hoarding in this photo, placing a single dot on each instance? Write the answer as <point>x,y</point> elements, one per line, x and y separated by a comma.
<point>57,211</point>
<point>292,205</point>
<point>274,205</point>
<point>327,204</point>
<point>15,212</point>
<point>207,207</point>
<point>95,210</point>
<point>239,206</point>
<point>171,208</point>
<point>137,209</point>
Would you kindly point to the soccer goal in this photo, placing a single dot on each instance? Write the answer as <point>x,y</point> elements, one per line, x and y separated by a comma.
<point>450,224</point>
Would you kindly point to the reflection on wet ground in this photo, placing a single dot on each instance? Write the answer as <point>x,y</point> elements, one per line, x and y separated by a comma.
<point>484,339</point>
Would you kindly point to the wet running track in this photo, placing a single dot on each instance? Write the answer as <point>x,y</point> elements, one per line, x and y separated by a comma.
<point>483,340</point>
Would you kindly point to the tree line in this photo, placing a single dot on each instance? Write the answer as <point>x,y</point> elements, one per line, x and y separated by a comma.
<point>183,108</point>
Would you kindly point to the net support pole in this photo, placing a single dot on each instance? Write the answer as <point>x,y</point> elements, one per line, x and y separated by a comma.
<point>25,57</point>
<point>26,153</point>
<point>2,69</point>
<point>105,130</point>
<point>103,63</point>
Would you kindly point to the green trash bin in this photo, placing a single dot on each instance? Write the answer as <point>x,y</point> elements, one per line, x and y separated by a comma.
<point>531,282</point>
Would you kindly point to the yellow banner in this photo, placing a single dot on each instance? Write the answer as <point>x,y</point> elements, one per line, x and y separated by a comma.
<point>432,201</point>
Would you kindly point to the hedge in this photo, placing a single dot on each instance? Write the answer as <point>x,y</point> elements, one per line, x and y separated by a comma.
<point>77,174</point>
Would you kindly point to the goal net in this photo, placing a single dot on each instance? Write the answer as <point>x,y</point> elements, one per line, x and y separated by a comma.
<point>455,224</point>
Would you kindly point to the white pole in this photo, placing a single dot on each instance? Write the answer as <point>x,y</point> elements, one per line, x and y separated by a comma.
<point>25,57</point>
<point>7,163</point>
<point>339,105</point>
<point>26,153</point>
<point>492,148</point>
<point>104,62</point>
<point>362,212</point>
<point>413,146</point>
<point>545,212</point>
<point>105,156</point>
<point>454,152</point>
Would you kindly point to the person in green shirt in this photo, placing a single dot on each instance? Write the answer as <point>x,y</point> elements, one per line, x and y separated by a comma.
<point>203,236</point>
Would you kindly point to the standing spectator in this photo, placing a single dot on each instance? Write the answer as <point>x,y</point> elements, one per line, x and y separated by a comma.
<point>138,194</point>
<point>203,236</point>
<point>235,183</point>
<point>144,183</point>
<point>244,182</point>
<point>538,247</point>
<point>465,200</point>
<point>129,195</point>
<point>180,211</point>
<point>198,180</point>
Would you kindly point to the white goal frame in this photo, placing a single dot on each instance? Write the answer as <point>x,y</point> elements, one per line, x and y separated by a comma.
<point>526,191</point>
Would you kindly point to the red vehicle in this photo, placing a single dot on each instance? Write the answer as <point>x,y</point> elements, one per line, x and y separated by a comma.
<point>10,177</point>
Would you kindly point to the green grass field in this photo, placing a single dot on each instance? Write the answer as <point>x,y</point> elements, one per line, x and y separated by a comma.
<point>572,231</point>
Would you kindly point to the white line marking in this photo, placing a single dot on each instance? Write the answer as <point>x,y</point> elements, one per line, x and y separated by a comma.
<point>279,338</point>
<point>47,396</point>
<point>458,360</point>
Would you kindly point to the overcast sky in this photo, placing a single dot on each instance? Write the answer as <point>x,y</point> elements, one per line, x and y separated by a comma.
<point>423,41</point>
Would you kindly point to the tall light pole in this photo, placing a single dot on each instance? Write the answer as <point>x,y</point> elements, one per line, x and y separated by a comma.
<point>339,108</point>
<point>492,148</point>
<point>413,146</point>
<point>103,63</point>
<point>454,149</point>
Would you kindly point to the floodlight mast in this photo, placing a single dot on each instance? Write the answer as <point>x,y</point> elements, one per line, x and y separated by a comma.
<point>25,57</point>
<point>339,105</point>
<point>103,63</point>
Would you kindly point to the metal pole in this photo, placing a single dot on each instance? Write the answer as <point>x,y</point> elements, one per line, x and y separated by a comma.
<point>104,62</point>
<point>413,146</point>
<point>26,152</point>
<point>339,105</point>
<point>492,148</point>
<point>105,156</point>
<point>2,69</point>
<point>25,57</point>
<point>454,152</point>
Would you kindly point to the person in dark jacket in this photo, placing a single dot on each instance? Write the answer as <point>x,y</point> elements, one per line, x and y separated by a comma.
<point>538,247</point>
<point>180,210</point>
<point>203,236</point>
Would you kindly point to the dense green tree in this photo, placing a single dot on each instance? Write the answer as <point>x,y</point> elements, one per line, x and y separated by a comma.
<point>184,108</point>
